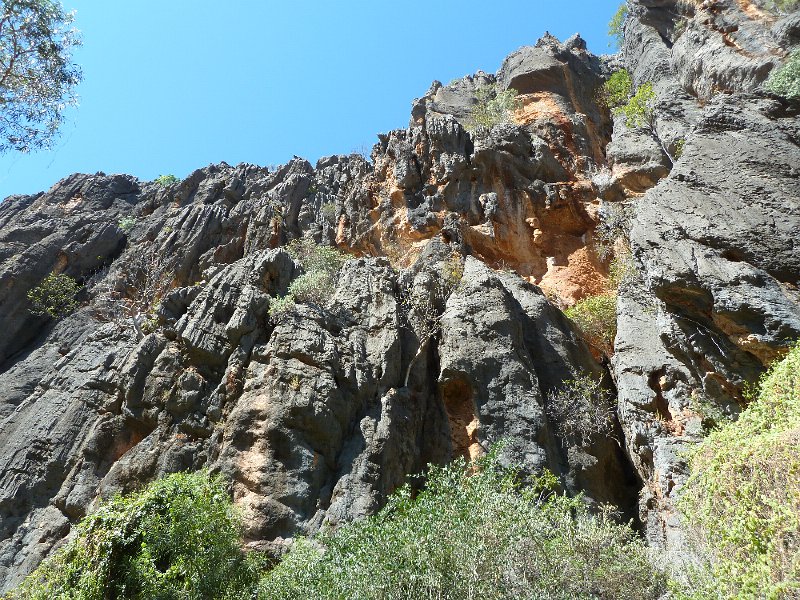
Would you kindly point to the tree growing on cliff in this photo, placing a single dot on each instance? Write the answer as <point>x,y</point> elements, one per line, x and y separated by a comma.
<point>616,27</point>
<point>37,76</point>
<point>132,293</point>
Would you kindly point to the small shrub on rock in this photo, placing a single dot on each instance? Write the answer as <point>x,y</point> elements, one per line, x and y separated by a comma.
<point>473,532</point>
<point>493,107</point>
<point>280,306</point>
<point>167,180</point>
<point>318,284</point>
<point>176,539</point>
<point>785,80</point>
<point>126,224</point>
<point>54,296</point>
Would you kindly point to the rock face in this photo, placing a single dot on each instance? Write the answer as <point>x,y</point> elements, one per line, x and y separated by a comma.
<point>316,415</point>
<point>715,241</point>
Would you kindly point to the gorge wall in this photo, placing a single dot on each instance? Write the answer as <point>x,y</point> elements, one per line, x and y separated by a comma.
<point>317,415</point>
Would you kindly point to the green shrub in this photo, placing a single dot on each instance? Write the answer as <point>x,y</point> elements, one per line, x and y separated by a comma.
<point>679,146</point>
<point>785,80</point>
<point>617,89</point>
<point>126,224</point>
<point>328,211</point>
<point>783,5</point>
<point>54,296</point>
<point>743,494</point>
<point>581,409</point>
<point>280,306</point>
<point>315,257</point>
<point>176,539</point>
<point>638,111</point>
<point>616,26</point>
<point>318,283</point>
<point>313,287</point>
<point>166,180</point>
<point>493,106</point>
<point>596,317</point>
<point>473,533</point>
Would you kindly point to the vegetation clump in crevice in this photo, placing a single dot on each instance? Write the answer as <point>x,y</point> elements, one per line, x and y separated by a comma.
<point>742,498</point>
<point>473,532</point>
<point>493,106</point>
<point>423,304</point>
<point>177,539</point>
<point>596,317</point>
<point>581,409</point>
<point>617,89</point>
<point>321,266</point>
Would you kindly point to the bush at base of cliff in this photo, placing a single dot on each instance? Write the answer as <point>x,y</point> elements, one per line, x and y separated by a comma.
<point>785,80</point>
<point>743,495</point>
<point>177,539</point>
<point>472,533</point>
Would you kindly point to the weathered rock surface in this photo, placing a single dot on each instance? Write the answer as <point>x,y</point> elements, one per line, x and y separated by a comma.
<point>317,415</point>
<point>715,241</point>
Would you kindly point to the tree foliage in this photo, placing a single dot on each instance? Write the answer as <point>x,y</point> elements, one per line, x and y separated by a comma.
<point>37,76</point>
<point>54,296</point>
<point>177,539</point>
<point>472,533</point>
<point>616,26</point>
<point>617,89</point>
<point>638,111</point>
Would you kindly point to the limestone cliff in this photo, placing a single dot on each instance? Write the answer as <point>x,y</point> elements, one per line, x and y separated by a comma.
<point>317,415</point>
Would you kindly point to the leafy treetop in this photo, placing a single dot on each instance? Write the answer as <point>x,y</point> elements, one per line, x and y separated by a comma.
<point>37,76</point>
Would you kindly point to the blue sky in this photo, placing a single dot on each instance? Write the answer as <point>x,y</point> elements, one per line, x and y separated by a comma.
<point>173,85</point>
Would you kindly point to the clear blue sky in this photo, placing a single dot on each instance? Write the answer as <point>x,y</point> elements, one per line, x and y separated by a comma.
<point>173,85</point>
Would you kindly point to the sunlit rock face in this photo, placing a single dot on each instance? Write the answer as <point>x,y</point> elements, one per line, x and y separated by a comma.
<point>317,415</point>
